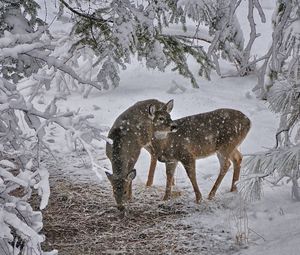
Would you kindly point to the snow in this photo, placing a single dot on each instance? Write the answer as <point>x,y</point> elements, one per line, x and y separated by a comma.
<point>276,218</point>
<point>13,52</point>
<point>274,222</point>
<point>138,83</point>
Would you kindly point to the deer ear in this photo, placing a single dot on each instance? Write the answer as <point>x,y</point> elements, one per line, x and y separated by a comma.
<point>151,111</point>
<point>169,105</point>
<point>109,176</point>
<point>131,175</point>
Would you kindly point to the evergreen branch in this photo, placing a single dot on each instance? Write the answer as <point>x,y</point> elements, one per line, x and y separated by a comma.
<point>86,16</point>
<point>200,34</point>
<point>197,37</point>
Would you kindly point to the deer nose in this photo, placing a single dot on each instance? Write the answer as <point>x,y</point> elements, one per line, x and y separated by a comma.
<point>121,208</point>
<point>174,127</point>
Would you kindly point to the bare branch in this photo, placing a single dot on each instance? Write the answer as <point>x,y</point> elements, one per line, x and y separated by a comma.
<point>260,10</point>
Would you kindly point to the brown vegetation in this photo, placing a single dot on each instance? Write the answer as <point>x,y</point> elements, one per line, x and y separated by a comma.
<point>82,219</point>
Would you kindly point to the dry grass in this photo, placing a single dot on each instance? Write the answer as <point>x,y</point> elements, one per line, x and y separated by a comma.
<point>81,219</point>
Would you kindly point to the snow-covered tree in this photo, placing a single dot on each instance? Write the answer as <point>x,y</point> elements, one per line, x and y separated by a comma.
<point>225,38</point>
<point>15,27</point>
<point>108,34</point>
<point>118,30</point>
<point>280,76</point>
<point>25,48</point>
<point>282,56</point>
<point>20,169</point>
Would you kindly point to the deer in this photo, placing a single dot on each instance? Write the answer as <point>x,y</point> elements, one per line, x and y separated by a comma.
<point>198,136</point>
<point>132,131</point>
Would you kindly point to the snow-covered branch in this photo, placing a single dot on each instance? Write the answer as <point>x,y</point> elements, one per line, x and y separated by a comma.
<point>25,50</point>
<point>56,63</point>
<point>226,37</point>
<point>253,35</point>
<point>281,49</point>
<point>279,84</point>
<point>30,175</point>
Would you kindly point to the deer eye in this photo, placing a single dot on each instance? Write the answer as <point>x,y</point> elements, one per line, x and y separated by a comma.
<point>161,118</point>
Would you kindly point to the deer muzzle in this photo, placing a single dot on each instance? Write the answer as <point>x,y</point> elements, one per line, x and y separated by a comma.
<point>121,207</point>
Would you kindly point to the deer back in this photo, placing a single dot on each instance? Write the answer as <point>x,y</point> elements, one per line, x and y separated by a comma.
<point>203,134</point>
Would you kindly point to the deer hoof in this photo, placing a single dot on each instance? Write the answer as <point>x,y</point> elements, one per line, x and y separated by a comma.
<point>211,196</point>
<point>166,197</point>
<point>148,184</point>
<point>233,189</point>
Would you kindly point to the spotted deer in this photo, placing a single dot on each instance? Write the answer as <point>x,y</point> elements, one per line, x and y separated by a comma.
<point>198,136</point>
<point>131,131</point>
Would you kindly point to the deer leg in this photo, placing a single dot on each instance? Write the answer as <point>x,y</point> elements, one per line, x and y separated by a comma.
<point>236,158</point>
<point>170,169</point>
<point>190,168</point>
<point>173,181</point>
<point>130,166</point>
<point>130,191</point>
<point>151,170</point>
<point>224,166</point>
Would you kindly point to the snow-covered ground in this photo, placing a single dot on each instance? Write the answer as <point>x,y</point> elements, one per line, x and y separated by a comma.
<point>274,222</point>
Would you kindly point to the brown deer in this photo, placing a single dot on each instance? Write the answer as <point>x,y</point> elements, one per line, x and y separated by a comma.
<point>198,136</point>
<point>131,131</point>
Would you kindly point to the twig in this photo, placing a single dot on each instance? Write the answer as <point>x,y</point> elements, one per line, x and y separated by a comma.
<point>256,233</point>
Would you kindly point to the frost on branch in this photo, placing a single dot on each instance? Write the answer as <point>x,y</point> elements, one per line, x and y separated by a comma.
<point>272,165</point>
<point>27,48</point>
<point>281,62</point>
<point>226,36</point>
<point>20,169</point>
<point>220,18</point>
<point>283,160</point>
<point>20,225</point>
<point>283,85</point>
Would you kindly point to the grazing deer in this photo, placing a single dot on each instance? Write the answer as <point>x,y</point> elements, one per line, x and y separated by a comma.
<point>198,136</point>
<point>131,131</point>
